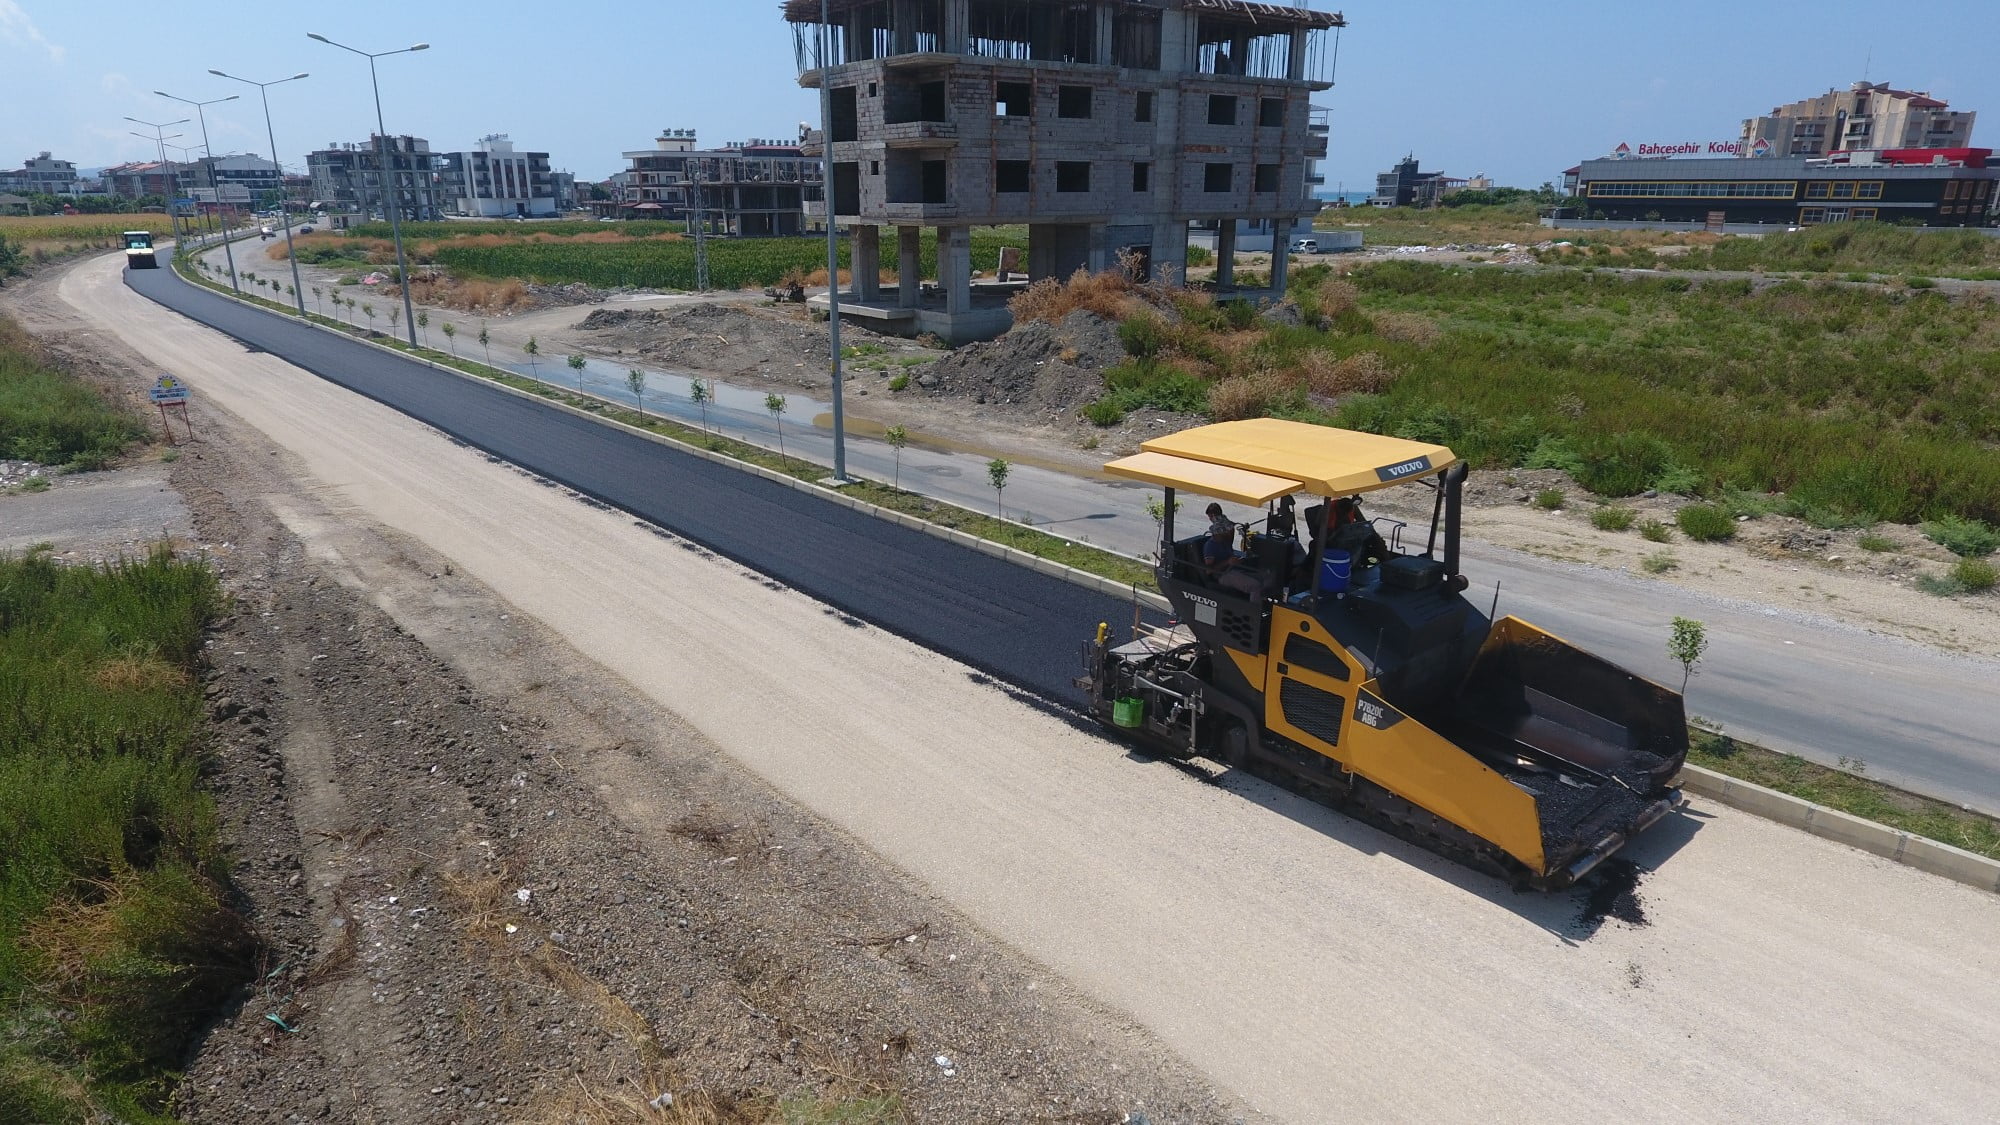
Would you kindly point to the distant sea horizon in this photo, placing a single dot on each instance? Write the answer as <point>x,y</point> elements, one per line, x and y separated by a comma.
<point>1354,198</point>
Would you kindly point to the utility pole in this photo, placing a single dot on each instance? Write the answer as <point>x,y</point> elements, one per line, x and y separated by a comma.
<point>173,191</point>
<point>392,205</point>
<point>832,236</point>
<point>208,158</point>
<point>264,90</point>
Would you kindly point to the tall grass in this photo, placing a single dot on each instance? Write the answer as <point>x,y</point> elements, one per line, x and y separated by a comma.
<point>1858,404</point>
<point>60,228</point>
<point>116,942</point>
<point>1838,247</point>
<point>49,417</point>
<point>637,228</point>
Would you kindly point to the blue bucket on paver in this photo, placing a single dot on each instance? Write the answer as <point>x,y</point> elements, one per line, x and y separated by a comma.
<point>1335,569</point>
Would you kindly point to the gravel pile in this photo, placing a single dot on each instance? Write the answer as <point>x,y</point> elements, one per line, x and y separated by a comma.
<point>1053,366</point>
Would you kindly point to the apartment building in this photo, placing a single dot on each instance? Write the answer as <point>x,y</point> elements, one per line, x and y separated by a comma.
<point>350,177</point>
<point>41,174</point>
<point>494,181</point>
<point>755,188</point>
<point>1863,116</point>
<point>1106,126</point>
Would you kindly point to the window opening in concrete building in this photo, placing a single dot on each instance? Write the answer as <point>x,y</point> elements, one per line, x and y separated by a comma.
<point>1221,109</point>
<point>1271,113</point>
<point>935,189</point>
<point>874,167</point>
<point>1217,177</point>
<point>846,119</point>
<point>1013,99</point>
<point>1010,175</point>
<point>905,102</point>
<point>1142,106</point>
<point>874,90</point>
<point>1135,39</point>
<point>1142,177</point>
<point>1266,178</point>
<point>1073,101</point>
<point>847,188</point>
<point>1072,175</point>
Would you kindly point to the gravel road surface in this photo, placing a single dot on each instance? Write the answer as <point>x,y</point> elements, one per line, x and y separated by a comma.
<point>1313,967</point>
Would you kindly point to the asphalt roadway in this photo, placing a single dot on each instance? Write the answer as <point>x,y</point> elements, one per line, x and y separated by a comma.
<point>1022,627</point>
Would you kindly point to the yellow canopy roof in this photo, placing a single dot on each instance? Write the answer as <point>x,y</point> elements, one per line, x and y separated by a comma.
<point>1220,481</point>
<point>1325,461</point>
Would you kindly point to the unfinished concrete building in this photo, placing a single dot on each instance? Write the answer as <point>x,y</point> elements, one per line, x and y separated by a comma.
<point>1106,126</point>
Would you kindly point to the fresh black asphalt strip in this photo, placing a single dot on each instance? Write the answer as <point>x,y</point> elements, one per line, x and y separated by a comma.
<point>1020,626</point>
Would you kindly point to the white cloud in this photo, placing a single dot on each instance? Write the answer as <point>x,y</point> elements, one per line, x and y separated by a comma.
<point>17,29</point>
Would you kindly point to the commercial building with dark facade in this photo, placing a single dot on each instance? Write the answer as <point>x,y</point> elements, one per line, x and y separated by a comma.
<point>1931,187</point>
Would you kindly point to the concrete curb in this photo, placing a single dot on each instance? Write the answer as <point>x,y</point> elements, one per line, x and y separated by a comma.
<point>1093,582</point>
<point>1892,844</point>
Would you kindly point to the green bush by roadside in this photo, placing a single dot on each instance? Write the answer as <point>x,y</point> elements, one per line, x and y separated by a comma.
<point>1705,523</point>
<point>51,418</point>
<point>117,942</point>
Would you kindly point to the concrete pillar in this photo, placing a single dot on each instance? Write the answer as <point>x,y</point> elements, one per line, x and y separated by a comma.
<point>909,267</point>
<point>955,268</point>
<point>1296,70</point>
<point>1281,254</point>
<point>865,260</point>
<point>903,26</point>
<point>1225,254</point>
<point>1102,14</point>
<point>1099,256</point>
<point>954,26</point>
<point>1177,53</point>
<point>1169,253</point>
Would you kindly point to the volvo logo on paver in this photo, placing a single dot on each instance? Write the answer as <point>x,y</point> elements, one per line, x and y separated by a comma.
<point>1372,712</point>
<point>1204,609</point>
<point>1406,469</point>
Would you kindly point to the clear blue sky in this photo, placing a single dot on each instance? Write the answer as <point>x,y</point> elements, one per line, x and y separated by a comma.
<point>1519,89</point>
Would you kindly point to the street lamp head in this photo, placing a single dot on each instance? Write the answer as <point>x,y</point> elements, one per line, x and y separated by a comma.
<point>219,74</point>
<point>421,47</point>
<point>318,36</point>
<point>299,75</point>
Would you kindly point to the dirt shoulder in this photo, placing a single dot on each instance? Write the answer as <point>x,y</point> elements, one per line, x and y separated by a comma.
<point>500,885</point>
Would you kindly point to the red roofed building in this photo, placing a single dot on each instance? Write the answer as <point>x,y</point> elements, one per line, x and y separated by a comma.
<point>1863,116</point>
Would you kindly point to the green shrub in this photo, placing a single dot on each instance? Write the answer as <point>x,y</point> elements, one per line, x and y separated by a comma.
<point>1678,480</point>
<point>1917,282</point>
<point>1612,518</point>
<point>1970,538</point>
<point>1659,562</point>
<point>1103,412</point>
<point>1549,499</point>
<point>1200,256</point>
<point>1653,531</point>
<point>1623,464</point>
<point>1551,452</point>
<point>1976,575</point>
<point>1239,314</point>
<point>1143,335</point>
<point>1943,586</point>
<point>899,382</point>
<point>1705,523</point>
<point>1876,543</point>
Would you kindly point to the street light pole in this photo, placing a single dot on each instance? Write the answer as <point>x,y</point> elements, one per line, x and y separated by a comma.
<point>194,224</point>
<point>202,115</point>
<point>160,143</point>
<point>394,204</point>
<point>832,236</point>
<point>264,91</point>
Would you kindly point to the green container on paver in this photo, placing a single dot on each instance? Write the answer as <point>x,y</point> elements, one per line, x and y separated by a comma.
<point>1128,712</point>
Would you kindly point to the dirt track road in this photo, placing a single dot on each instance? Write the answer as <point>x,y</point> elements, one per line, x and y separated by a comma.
<point>1311,966</point>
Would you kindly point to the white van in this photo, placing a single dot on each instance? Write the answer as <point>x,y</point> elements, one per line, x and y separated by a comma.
<point>1305,246</point>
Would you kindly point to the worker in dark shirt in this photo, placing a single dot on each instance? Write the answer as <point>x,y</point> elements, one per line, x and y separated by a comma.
<point>1352,532</point>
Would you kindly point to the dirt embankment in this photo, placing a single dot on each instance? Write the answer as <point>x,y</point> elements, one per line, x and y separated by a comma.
<point>1053,367</point>
<point>498,885</point>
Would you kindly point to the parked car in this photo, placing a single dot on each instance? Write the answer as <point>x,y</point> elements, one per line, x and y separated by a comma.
<point>307,229</point>
<point>1305,246</point>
